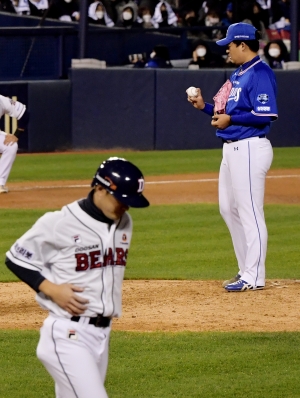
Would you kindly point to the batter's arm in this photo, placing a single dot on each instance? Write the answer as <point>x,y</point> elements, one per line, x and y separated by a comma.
<point>63,295</point>
<point>32,278</point>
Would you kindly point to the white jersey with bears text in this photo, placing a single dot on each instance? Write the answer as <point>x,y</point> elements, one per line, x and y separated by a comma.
<point>69,246</point>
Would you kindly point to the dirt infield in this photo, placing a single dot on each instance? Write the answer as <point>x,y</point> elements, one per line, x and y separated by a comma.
<point>168,305</point>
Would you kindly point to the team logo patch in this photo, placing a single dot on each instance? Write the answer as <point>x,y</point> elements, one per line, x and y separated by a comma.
<point>77,239</point>
<point>124,237</point>
<point>23,252</point>
<point>263,98</point>
<point>72,335</point>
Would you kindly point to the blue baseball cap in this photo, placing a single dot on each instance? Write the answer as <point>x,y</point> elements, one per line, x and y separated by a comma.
<point>238,31</point>
<point>229,7</point>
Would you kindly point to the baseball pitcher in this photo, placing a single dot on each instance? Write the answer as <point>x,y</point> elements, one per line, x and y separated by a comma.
<point>75,260</point>
<point>242,113</point>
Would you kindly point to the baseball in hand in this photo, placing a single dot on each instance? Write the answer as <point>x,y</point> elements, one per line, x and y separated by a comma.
<point>192,92</point>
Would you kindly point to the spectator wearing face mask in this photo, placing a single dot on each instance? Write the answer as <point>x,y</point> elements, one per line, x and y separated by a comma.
<point>204,58</point>
<point>97,15</point>
<point>212,19</point>
<point>164,16</point>
<point>145,16</point>
<point>159,58</point>
<point>128,16</point>
<point>190,18</point>
<point>65,10</point>
<point>276,54</point>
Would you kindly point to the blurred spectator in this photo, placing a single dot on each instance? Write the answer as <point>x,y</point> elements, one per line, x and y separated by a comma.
<point>190,18</point>
<point>65,10</point>
<point>266,13</point>
<point>128,17</point>
<point>204,58</point>
<point>159,58</point>
<point>145,16</point>
<point>283,7</point>
<point>208,6</point>
<point>38,7</point>
<point>228,19</point>
<point>212,19</point>
<point>164,16</point>
<point>276,54</point>
<point>97,14</point>
<point>20,7</point>
<point>281,15</point>
<point>138,60</point>
<point>255,18</point>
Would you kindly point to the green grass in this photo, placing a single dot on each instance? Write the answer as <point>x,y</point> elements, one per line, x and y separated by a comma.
<point>82,166</point>
<point>184,242</point>
<point>165,365</point>
<point>170,242</point>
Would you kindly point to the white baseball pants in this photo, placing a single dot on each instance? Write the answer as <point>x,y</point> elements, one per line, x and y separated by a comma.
<point>76,356</point>
<point>241,198</point>
<point>8,156</point>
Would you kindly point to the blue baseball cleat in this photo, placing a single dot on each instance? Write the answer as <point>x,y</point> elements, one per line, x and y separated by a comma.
<point>234,279</point>
<point>241,286</point>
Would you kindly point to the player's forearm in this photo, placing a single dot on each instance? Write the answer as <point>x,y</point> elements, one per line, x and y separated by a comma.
<point>249,119</point>
<point>48,288</point>
<point>208,109</point>
<point>32,278</point>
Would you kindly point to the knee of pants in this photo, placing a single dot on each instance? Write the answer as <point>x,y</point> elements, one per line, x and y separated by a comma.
<point>225,210</point>
<point>12,149</point>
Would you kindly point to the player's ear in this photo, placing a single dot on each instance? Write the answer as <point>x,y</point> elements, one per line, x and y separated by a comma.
<point>100,190</point>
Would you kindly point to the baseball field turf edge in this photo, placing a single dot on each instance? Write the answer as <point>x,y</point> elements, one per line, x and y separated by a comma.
<point>187,241</point>
<point>165,365</point>
<point>81,166</point>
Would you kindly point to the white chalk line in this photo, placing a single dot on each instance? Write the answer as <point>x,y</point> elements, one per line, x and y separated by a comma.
<point>40,187</point>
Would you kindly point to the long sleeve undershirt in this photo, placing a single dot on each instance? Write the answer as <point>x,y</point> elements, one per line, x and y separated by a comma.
<point>247,119</point>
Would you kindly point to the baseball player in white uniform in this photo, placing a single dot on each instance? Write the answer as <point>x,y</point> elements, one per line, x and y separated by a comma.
<point>75,260</point>
<point>243,125</point>
<point>8,142</point>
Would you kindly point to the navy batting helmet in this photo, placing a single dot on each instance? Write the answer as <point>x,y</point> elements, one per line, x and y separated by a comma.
<point>123,180</point>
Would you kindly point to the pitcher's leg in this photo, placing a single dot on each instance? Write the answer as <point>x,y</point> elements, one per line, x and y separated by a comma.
<point>260,159</point>
<point>231,216</point>
<point>255,157</point>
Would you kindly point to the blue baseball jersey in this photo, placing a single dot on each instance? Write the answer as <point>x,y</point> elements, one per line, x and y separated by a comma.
<point>253,91</point>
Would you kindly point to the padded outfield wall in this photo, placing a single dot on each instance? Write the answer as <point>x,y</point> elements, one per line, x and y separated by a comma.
<point>135,109</point>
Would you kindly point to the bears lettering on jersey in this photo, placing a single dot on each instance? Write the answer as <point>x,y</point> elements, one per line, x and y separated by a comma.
<point>91,260</point>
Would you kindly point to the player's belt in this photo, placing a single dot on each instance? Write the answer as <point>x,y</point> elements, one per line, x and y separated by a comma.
<point>229,141</point>
<point>98,321</point>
